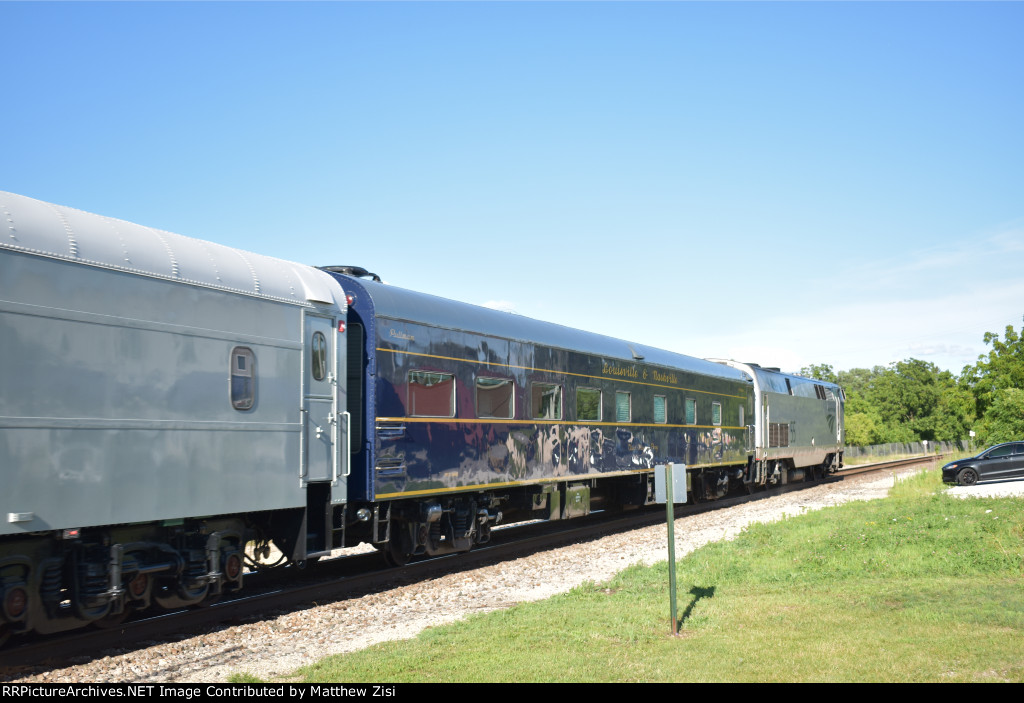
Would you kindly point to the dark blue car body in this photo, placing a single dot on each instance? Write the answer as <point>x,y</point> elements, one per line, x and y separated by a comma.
<point>999,462</point>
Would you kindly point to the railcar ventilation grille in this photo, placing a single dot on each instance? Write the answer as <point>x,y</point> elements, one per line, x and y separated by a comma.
<point>778,434</point>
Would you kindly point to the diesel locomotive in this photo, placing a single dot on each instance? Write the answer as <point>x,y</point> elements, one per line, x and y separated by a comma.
<point>170,409</point>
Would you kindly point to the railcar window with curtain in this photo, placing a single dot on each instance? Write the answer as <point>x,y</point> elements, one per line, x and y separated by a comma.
<point>547,401</point>
<point>431,394</point>
<point>243,378</point>
<point>495,397</point>
<point>691,411</point>
<point>660,410</point>
<point>623,410</point>
<point>716,413</point>
<point>588,404</point>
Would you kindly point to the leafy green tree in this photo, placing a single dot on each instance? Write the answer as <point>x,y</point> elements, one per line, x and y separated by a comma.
<point>822,372</point>
<point>861,429</point>
<point>907,401</point>
<point>1002,368</point>
<point>1004,419</point>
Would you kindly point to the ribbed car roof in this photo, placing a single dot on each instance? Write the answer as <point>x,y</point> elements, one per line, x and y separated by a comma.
<point>44,229</point>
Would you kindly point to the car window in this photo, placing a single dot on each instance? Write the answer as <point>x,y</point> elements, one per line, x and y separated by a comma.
<point>1005,450</point>
<point>1018,448</point>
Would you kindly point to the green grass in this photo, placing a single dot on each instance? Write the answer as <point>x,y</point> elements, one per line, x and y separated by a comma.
<point>916,587</point>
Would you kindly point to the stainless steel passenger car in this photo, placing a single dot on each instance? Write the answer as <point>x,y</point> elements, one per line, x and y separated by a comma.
<point>797,426</point>
<point>163,401</point>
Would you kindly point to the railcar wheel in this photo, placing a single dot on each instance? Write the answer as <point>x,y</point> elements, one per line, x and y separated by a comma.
<point>967,477</point>
<point>394,555</point>
<point>395,552</point>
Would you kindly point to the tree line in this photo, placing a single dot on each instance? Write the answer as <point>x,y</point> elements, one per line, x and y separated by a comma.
<point>913,400</point>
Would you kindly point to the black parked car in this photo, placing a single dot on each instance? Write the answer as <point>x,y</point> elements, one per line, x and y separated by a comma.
<point>1000,461</point>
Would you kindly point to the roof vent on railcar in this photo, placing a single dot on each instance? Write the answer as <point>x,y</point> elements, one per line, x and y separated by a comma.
<point>356,271</point>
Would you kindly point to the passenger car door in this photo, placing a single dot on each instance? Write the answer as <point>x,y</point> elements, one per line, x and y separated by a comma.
<point>320,440</point>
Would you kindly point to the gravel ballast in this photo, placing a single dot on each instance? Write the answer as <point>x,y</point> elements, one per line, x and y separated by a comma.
<point>277,646</point>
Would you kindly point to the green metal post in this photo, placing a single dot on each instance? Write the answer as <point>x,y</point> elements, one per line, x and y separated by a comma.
<point>671,517</point>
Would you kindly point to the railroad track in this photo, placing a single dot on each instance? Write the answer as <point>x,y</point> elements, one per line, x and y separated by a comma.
<point>276,592</point>
<point>895,464</point>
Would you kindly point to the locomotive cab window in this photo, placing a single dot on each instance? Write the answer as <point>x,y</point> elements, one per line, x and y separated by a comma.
<point>243,378</point>
<point>546,401</point>
<point>588,404</point>
<point>431,394</point>
<point>495,397</point>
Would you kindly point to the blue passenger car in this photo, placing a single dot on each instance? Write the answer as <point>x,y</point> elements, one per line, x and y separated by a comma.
<point>467,412</point>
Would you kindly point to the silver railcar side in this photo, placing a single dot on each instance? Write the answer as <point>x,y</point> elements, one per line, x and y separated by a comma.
<point>157,396</point>
<point>798,425</point>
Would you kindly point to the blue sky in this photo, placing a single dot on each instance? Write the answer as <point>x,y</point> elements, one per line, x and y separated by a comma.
<point>786,183</point>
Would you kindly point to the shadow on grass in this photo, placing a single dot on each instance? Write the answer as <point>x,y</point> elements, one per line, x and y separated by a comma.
<point>697,592</point>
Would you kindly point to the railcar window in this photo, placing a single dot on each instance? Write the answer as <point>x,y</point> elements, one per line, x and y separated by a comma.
<point>741,416</point>
<point>495,397</point>
<point>716,413</point>
<point>243,378</point>
<point>319,351</point>
<point>660,410</point>
<point>431,394</point>
<point>547,401</point>
<point>588,404</point>
<point>691,411</point>
<point>623,408</point>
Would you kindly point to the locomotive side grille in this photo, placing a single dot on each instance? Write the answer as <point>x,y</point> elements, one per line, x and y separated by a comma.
<point>778,434</point>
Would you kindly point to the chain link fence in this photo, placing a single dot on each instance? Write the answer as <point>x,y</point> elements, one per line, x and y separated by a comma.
<point>896,450</point>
